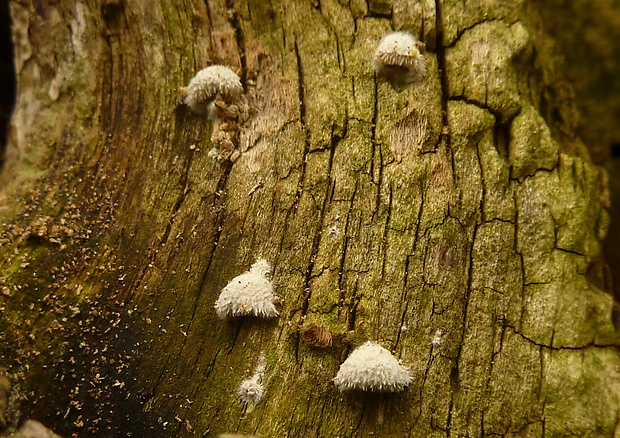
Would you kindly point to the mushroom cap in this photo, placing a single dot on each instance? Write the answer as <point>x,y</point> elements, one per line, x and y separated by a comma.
<point>371,367</point>
<point>247,294</point>
<point>399,59</point>
<point>261,267</point>
<point>208,83</point>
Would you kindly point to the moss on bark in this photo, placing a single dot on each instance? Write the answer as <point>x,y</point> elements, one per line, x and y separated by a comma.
<point>388,215</point>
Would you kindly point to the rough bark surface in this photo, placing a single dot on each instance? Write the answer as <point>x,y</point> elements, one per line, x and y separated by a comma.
<point>464,204</point>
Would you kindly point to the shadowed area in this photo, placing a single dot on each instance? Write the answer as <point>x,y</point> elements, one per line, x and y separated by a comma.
<point>7,76</point>
<point>587,39</point>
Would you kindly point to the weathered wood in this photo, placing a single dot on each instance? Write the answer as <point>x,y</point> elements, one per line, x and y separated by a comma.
<point>455,222</point>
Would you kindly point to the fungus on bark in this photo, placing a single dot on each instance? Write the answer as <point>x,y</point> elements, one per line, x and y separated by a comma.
<point>372,368</point>
<point>399,59</point>
<point>437,338</point>
<point>251,390</point>
<point>249,294</point>
<point>208,83</point>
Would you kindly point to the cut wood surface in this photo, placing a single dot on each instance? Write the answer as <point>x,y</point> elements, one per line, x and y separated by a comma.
<point>457,222</point>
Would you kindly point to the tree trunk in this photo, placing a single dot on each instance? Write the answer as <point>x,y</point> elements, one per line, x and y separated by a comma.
<point>457,222</point>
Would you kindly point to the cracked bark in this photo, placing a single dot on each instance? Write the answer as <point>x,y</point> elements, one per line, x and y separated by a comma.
<point>462,205</point>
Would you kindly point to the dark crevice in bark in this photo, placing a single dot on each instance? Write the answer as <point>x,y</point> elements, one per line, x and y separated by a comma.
<point>234,21</point>
<point>341,291</point>
<point>418,221</point>
<point>404,300</point>
<point>362,415</point>
<point>218,226</point>
<point>304,127</point>
<point>483,197</point>
<point>501,126</point>
<point>355,299</point>
<point>342,63</point>
<point>7,78</point>
<point>319,230</point>
<point>441,61</point>
<point>384,238</point>
<point>238,325</point>
<point>454,375</point>
<point>535,172</point>
<point>501,138</point>
<point>373,131</point>
<point>462,31</point>
<point>591,344</point>
<point>498,219</point>
<point>307,292</point>
<point>450,408</point>
<point>321,416</point>
<point>379,9</point>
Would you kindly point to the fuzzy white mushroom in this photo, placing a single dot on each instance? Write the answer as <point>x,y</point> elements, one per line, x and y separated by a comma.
<point>399,59</point>
<point>251,390</point>
<point>372,368</point>
<point>248,294</point>
<point>207,84</point>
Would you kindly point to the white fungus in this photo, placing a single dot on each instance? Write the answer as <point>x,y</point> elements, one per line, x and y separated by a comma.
<point>399,59</point>
<point>207,84</point>
<point>437,338</point>
<point>372,368</point>
<point>251,390</point>
<point>249,294</point>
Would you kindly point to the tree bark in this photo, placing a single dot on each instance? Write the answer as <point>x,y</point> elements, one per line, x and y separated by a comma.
<point>464,206</point>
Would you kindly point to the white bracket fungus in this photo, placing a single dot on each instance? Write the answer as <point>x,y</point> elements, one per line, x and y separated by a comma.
<point>372,368</point>
<point>251,390</point>
<point>399,59</point>
<point>202,90</point>
<point>250,293</point>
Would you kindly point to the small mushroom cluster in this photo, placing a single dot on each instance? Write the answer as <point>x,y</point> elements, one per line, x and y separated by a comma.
<point>218,92</point>
<point>370,367</point>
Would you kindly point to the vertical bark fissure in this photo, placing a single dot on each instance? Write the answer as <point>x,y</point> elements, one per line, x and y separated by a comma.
<point>483,197</point>
<point>449,421</point>
<point>403,300</point>
<point>345,246</point>
<point>441,62</point>
<point>373,135</point>
<point>384,237</point>
<point>234,21</point>
<point>353,306</point>
<point>418,222</point>
<point>318,429</point>
<point>218,226</point>
<point>455,370</point>
<point>7,77</point>
<point>302,120</point>
<point>316,241</point>
<point>319,230</point>
<point>361,416</point>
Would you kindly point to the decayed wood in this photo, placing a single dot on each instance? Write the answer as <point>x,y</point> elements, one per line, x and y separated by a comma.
<point>457,205</point>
